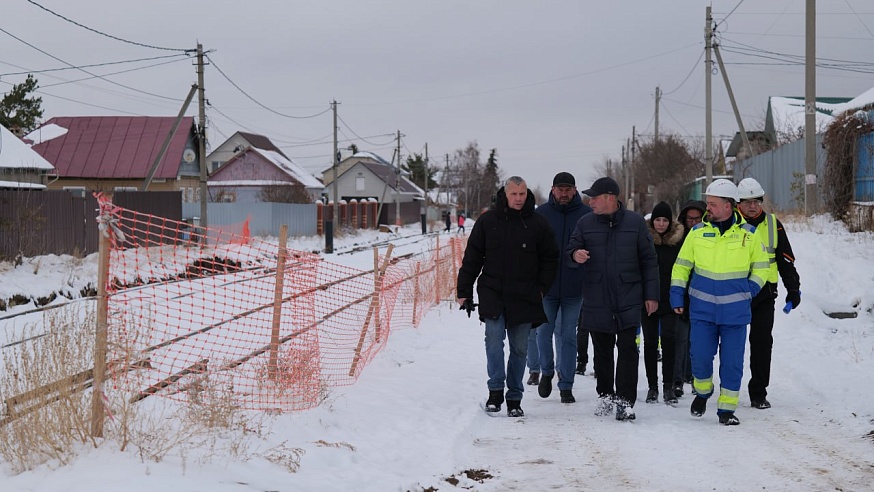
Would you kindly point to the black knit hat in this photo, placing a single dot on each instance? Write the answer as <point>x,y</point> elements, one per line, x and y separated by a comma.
<point>564,178</point>
<point>662,209</point>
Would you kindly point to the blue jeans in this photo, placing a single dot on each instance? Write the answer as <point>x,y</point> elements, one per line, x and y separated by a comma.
<point>562,314</point>
<point>496,331</point>
<point>533,352</point>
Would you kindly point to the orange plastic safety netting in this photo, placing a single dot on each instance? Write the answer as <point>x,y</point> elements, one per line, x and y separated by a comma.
<point>238,318</point>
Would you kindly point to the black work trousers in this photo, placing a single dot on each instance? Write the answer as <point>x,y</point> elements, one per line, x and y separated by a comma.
<point>761,345</point>
<point>653,326</point>
<point>626,364</point>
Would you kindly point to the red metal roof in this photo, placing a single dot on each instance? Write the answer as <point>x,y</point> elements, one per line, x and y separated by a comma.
<point>119,147</point>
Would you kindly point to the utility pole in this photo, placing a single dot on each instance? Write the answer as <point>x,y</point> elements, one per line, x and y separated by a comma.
<point>708,108</point>
<point>810,188</point>
<point>336,162</point>
<point>398,184</point>
<point>740,123</point>
<point>201,141</point>
<point>425,202</point>
<point>625,168</point>
<point>632,202</point>
<point>658,97</point>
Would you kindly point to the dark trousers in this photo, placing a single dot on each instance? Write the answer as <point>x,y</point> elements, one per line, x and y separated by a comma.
<point>682,361</point>
<point>761,344</point>
<point>582,346</point>
<point>651,325</point>
<point>626,364</point>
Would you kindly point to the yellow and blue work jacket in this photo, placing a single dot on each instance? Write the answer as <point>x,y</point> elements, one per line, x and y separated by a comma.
<point>727,271</point>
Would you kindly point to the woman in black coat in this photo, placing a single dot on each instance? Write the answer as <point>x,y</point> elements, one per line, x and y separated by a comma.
<point>667,236</point>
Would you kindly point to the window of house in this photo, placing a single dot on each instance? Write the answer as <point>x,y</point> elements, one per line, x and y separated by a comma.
<point>359,183</point>
<point>77,191</point>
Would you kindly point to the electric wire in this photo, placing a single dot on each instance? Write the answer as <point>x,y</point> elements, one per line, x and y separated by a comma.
<point>223,74</point>
<point>357,135</point>
<point>48,70</point>
<point>729,14</point>
<point>691,71</point>
<point>71,21</point>
<point>86,71</point>
<point>115,73</point>
<point>859,17</point>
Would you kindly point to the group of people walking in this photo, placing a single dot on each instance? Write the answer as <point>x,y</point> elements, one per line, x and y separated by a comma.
<point>565,270</point>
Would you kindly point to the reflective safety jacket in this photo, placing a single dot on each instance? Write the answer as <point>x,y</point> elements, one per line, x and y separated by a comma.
<point>726,270</point>
<point>772,233</point>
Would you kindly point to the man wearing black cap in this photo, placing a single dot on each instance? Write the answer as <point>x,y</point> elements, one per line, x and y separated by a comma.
<point>562,302</point>
<point>620,277</point>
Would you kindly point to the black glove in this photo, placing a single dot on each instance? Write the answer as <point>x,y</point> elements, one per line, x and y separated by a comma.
<point>468,306</point>
<point>794,297</point>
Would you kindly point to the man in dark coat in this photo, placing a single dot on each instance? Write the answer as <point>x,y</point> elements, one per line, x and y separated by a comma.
<point>621,276</point>
<point>562,302</point>
<point>512,256</point>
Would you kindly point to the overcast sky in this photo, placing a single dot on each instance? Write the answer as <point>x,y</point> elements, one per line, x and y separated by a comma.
<point>552,85</point>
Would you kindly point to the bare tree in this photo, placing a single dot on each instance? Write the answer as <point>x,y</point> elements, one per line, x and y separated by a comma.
<point>290,193</point>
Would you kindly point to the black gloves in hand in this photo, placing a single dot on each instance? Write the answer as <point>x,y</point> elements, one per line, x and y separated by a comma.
<point>468,306</point>
<point>794,297</point>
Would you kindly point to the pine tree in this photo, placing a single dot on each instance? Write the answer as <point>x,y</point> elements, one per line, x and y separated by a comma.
<point>416,167</point>
<point>491,179</point>
<point>20,111</point>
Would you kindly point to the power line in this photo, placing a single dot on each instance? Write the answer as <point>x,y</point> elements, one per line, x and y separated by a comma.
<point>61,69</point>
<point>86,71</point>
<point>79,102</point>
<point>71,21</point>
<point>860,19</point>
<point>359,136</point>
<point>692,70</point>
<point>258,102</point>
<point>116,73</point>
<point>729,14</point>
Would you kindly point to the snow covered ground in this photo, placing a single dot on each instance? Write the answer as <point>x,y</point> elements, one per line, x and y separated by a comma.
<point>413,419</point>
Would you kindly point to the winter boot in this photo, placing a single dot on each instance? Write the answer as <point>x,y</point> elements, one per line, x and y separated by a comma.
<point>533,379</point>
<point>544,389</point>
<point>652,395</point>
<point>604,405</point>
<point>728,418</point>
<point>699,406</point>
<point>760,404</point>
<point>624,411</point>
<point>581,368</point>
<point>496,397</point>
<point>678,389</point>
<point>567,396</point>
<point>514,408</point>
<point>670,398</point>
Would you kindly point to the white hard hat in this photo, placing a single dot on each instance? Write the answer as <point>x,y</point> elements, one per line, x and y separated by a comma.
<point>722,188</point>
<point>749,188</point>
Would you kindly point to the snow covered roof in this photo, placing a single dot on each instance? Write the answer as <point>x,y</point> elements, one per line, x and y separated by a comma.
<point>15,154</point>
<point>859,102</point>
<point>22,186</point>
<point>371,155</point>
<point>291,168</point>
<point>46,133</point>
<point>788,113</point>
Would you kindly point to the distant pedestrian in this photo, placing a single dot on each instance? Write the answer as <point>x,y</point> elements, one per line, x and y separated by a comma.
<point>448,219</point>
<point>460,223</point>
<point>512,257</point>
<point>730,267</point>
<point>770,231</point>
<point>620,277</point>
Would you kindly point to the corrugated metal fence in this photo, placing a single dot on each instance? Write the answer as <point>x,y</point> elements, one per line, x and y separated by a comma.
<point>265,219</point>
<point>36,223</point>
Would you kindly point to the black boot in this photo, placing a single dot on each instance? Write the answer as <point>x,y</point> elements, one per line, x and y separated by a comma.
<point>514,408</point>
<point>567,396</point>
<point>544,389</point>
<point>670,398</point>
<point>699,406</point>
<point>533,379</point>
<point>652,395</point>
<point>496,397</point>
<point>728,418</point>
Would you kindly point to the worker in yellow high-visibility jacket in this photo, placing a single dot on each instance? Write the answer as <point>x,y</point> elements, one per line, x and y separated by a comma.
<point>724,265</point>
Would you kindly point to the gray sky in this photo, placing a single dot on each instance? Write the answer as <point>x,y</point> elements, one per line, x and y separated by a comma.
<point>553,85</point>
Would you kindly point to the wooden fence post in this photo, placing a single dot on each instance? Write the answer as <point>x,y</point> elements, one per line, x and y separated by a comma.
<point>416,291</point>
<point>374,305</point>
<point>437,285</point>
<point>277,302</point>
<point>97,407</point>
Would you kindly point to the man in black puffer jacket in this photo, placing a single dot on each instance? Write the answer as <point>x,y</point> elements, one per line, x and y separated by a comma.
<point>512,255</point>
<point>620,277</point>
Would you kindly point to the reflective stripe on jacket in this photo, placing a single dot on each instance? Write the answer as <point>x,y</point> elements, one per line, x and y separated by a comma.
<point>729,270</point>
<point>767,233</point>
